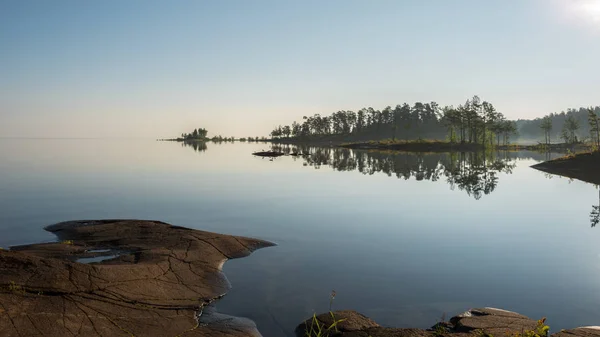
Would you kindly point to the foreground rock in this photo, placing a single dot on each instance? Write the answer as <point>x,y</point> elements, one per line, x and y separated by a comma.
<point>156,282</point>
<point>582,166</point>
<point>484,322</point>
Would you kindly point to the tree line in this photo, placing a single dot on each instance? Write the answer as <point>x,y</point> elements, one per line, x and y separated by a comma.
<point>197,134</point>
<point>571,126</point>
<point>475,121</point>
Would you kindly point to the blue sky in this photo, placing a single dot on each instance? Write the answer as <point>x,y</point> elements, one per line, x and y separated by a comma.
<point>136,68</point>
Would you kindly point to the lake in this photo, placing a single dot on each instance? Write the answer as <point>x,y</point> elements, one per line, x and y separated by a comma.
<point>401,238</point>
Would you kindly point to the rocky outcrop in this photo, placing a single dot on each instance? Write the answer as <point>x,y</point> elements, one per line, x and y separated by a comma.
<point>156,282</point>
<point>581,166</point>
<point>484,322</point>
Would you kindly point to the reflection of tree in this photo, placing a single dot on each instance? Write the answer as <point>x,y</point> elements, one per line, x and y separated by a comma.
<point>474,173</point>
<point>197,146</point>
<point>595,213</point>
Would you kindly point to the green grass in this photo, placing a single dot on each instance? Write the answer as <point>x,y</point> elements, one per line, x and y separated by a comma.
<point>318,329</point>
<point>439,331</point>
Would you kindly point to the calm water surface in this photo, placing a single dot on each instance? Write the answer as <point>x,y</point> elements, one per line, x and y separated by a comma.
<point>401,238</point>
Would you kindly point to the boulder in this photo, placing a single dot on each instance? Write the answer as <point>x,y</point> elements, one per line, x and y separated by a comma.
<point>492,321</point>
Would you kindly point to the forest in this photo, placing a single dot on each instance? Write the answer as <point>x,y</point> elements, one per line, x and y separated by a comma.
<point>571,126</point>
<point>474,121</point>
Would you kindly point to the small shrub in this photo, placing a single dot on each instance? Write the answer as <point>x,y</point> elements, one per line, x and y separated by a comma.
<point>67,242</point>
<point>541,330</point>
<point>15,288</point>
<point>440,330</point>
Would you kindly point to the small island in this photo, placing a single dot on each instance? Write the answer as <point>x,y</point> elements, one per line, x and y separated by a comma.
<point>201,135</point>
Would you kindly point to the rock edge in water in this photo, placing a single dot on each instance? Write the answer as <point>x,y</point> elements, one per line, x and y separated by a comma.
<point>156,282</point>
<point>582,166</point>
<point>484,322</point>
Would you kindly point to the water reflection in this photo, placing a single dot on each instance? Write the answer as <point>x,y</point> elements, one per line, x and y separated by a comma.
<point>595,213</point>
<point>197,146</point>
<point>476,173</point>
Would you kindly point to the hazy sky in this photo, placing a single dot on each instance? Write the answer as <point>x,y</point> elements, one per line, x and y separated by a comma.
<point>141,68</point>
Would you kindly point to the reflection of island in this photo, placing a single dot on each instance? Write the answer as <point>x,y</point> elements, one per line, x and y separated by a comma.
<point>196,145</point>
<point>473,172</point>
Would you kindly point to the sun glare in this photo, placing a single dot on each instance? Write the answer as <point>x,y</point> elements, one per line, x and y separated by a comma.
<point>585,9</point>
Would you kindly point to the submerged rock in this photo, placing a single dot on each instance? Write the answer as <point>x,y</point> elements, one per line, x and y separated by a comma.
<point>157,285</point>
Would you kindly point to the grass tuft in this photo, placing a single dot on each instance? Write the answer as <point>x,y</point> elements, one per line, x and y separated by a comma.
<point>67,242</point>
<point>318,329</point>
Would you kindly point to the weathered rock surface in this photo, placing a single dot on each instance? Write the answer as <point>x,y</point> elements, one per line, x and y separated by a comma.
<point>591,331</point>
<point>493,321</point>
<point>160,281</point>
<point>472,323</point>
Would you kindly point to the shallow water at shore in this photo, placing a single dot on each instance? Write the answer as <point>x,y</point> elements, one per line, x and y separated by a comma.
<point>400,238</point>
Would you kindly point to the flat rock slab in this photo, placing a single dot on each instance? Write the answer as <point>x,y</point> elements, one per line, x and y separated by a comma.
<point>156,281</point>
